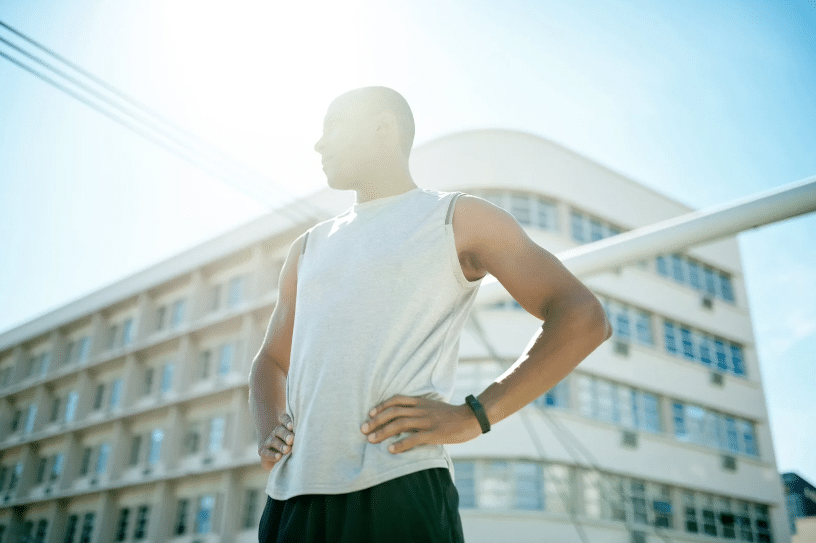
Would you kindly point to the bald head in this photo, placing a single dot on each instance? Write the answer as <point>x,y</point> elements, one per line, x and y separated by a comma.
<point>376,100</point>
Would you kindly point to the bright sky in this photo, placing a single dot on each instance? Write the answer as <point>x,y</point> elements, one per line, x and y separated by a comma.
<point>704,101</point>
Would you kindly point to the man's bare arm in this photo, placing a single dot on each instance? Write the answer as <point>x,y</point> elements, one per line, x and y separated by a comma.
<point>267,377</point>
<point>574,320</point>
<point>489,240</point>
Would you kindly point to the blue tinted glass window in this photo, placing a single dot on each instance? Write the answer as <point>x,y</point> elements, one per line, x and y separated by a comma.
<point>726,289</point>
<point>748,439</point>
<point>668,333</point>
<point>731,434</point>
<point>710,282</point>
<point>705,350</point>
<point>662,266</point>
<point>679,421</point>
<point>695,279</point>
<point>651,412</point>
<point>644,328</point>
<point>622,322</point>
<point>736,360</point>
<point>464,472</point>
<point>722,362</point>
<point>678,271</point>
<point>688,343</point>
<point>595,230</point>
<point>577,226</point>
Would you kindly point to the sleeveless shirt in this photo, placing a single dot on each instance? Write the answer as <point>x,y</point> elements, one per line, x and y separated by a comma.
<point>381,302</point>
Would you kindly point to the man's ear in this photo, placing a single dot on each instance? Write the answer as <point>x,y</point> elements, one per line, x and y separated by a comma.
<point>386,124</point>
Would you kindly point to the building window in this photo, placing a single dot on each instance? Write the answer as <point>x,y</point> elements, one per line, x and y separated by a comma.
<point>177,316</point>
<point>464,471</point>
<point>87,528</point>
<point>547,215</point>
<point>41,465</point>
<point>206,504</point>
<point>577,227</point>
<point>181,516</point>
<point>161,317</point>
<point>112,336</point>
<point>698,276</point>
<point>116,392</point>
<point>193,438</point>
<point>31,418</point>
<point>102,458</point>
<point>215,297</point>
<point>16,473</point>
<point>527,492</point>
<point>99,396</point>
<point>122,524</point>
<point>142,514</point>
<point>15,420</point>
<point>86,461</point>
<point>156,437</point>
<point>701,347</point>
<point>227,353</point>
<point>70,529</point>
<point>216,434</point>
<point>558,396</point>
<point>236,291</point>
<point>78,350</point>
<point>127,332</point>
<point>520,208</point>
<point>56,466</point>
<point>705,427</point>
<point>148,381</point>
<point>250,508</point>
<point>167,378</point>
<point>71,405</point>
<point>42,531</point>
<point>135,449</point>
<point>204,364</point>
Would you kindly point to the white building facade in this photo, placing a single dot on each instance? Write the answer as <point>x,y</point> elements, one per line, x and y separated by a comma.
<point>123,415</point>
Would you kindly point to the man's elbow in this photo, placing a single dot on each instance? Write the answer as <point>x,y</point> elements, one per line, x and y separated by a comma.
<point>596,322</point>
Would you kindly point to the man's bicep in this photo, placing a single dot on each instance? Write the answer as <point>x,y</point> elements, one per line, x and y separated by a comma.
<point>277,344</point>
<point>531,274</point>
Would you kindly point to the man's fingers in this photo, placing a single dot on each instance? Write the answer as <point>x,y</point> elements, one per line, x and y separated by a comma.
<point>408,401</point>
<point>286,420</point>
<point>397,427</point>
<point>409,442</point>
<point>387,415</point>
<point>284,434</point>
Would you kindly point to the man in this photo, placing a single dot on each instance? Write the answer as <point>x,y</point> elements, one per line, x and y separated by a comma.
<point>350,386</point>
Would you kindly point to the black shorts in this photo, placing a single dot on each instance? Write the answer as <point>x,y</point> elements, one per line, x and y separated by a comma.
<point>418,507</point>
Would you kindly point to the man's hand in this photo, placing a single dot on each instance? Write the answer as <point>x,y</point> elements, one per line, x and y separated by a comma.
<point>277,444</point>
<point>433,422</point>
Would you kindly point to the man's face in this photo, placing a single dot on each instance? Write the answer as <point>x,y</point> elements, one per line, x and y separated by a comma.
<point>349,142</point>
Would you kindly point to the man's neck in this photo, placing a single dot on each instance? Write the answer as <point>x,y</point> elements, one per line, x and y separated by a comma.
<point>391,184</point>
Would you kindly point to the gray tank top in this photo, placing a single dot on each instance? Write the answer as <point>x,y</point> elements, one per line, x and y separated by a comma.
<point>381,301</point>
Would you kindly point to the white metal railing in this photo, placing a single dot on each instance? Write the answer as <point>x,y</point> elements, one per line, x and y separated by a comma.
<point>687,230</point>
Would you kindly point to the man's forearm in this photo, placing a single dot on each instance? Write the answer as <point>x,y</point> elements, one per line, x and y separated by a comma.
<point>564,340</point>
<point>267,394</point>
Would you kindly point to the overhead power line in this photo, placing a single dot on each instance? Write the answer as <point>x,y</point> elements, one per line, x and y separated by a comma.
<point>147,123</point>
<point>565,437</point>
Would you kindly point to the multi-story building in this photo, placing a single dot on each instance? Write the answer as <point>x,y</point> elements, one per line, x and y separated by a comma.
<point>123,415</point>
<point>801,497</point>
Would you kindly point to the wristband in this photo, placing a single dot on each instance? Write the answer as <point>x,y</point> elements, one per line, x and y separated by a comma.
<point>479,411</point>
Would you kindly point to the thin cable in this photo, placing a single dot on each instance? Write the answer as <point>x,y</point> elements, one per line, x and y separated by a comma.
<point>567,435</point>
<point>148,117</point>
<point>477,325</point>
<point>134,102</point>
<point>562,433</point>
<point>191,159</point>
